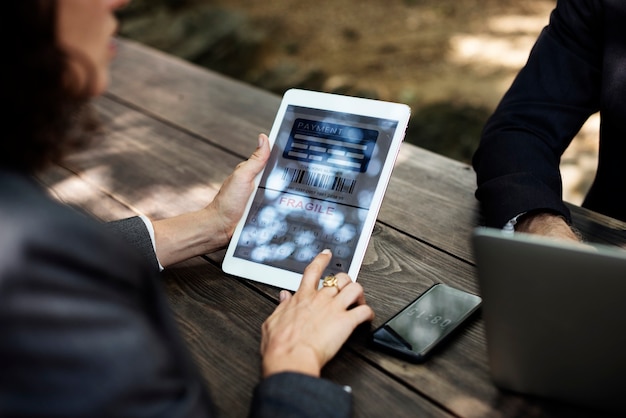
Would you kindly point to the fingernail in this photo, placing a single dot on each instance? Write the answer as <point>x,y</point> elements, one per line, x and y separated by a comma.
<point>326,251</point>
<point>260,140</point>
<point>282,295</point>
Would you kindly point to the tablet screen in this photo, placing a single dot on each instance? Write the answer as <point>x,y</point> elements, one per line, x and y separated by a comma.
<point>316,190</point>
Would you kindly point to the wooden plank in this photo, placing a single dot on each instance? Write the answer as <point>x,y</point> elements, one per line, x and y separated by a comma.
<point>431,197</point>
<point>150,164</point>
<point>68,187</point>
<point>228,112</point>
<point>456,376</point>
<point>151,167</point>
<point>597,228</point>
<point>397,269</point>
<point>117,177</point>
<point>225,111</point>
<point>137,166</point>
<point>224,336</point>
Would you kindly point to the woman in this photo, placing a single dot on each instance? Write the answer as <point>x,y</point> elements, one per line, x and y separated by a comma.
<point>84,330</point>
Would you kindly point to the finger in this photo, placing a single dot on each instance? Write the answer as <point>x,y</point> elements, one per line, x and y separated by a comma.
<point>262,151</point>
<point>284,296</point>
<point>259,157</point>
<point>342,281</point>
<point>360,314</point>
<point>326,285</point>
<point>352,294</point>
<point>313,272</point>
<point>254,165</point>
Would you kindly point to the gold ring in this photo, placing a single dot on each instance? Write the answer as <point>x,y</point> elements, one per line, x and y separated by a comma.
<point>331,281</point>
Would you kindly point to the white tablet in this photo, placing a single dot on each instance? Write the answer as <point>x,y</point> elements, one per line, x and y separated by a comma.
<point>323,185</point>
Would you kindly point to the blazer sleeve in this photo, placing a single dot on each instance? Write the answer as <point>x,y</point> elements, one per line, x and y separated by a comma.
<point>133,230</point>
<point>85,329</point>
<point>297,395</point>
<point>517,162</point>
<point>306,397</point>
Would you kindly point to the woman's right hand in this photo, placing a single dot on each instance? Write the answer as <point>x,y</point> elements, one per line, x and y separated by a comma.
<point>309,327</point>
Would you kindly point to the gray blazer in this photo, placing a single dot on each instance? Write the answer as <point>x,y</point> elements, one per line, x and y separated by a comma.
<point>79,306</point>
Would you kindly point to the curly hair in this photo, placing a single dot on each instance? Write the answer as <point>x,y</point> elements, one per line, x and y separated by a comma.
<point>44,120</point>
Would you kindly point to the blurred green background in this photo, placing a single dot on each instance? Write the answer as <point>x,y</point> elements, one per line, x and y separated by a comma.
<point>450,60</point>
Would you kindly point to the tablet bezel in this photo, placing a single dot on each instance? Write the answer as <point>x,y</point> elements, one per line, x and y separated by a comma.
<point>327,102</point>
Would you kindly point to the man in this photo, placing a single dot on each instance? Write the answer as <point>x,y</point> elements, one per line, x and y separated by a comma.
<point>576,68</point>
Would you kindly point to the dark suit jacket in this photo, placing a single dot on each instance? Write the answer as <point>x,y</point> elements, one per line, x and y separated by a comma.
<point>576,68</point>
<point>85,330</point>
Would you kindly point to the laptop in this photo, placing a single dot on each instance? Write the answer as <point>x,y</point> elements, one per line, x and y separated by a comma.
<point>555,317</point>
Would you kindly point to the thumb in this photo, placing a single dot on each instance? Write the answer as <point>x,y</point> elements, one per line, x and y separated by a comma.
<point>284,296</point>
<point>262,152</point>
<point>254,165</point>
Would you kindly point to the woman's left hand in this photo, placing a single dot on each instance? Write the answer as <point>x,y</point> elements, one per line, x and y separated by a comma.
<point>211,228</point>
<point>230,201</point>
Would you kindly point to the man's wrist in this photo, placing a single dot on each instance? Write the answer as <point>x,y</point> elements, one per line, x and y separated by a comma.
<point>546,224</point>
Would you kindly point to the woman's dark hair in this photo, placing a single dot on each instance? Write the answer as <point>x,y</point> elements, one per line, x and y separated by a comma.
<point>44,120</point>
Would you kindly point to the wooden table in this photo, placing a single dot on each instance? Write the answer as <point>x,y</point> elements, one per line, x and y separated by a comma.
<point>175,131</point>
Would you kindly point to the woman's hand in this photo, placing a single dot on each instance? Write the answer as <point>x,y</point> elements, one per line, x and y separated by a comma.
<point>308,328</point>
<point>231,200</point>
<point>209,229</point>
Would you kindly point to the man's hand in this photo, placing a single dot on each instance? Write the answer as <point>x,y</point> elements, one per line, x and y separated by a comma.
<point>546,224</point>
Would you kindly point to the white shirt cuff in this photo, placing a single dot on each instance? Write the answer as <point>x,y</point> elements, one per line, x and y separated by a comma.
<point>150,229</point>
<point>509,227</point>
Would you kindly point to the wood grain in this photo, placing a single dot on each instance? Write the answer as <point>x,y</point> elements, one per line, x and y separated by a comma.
<point>224,336</point>
<point>175,131</point>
